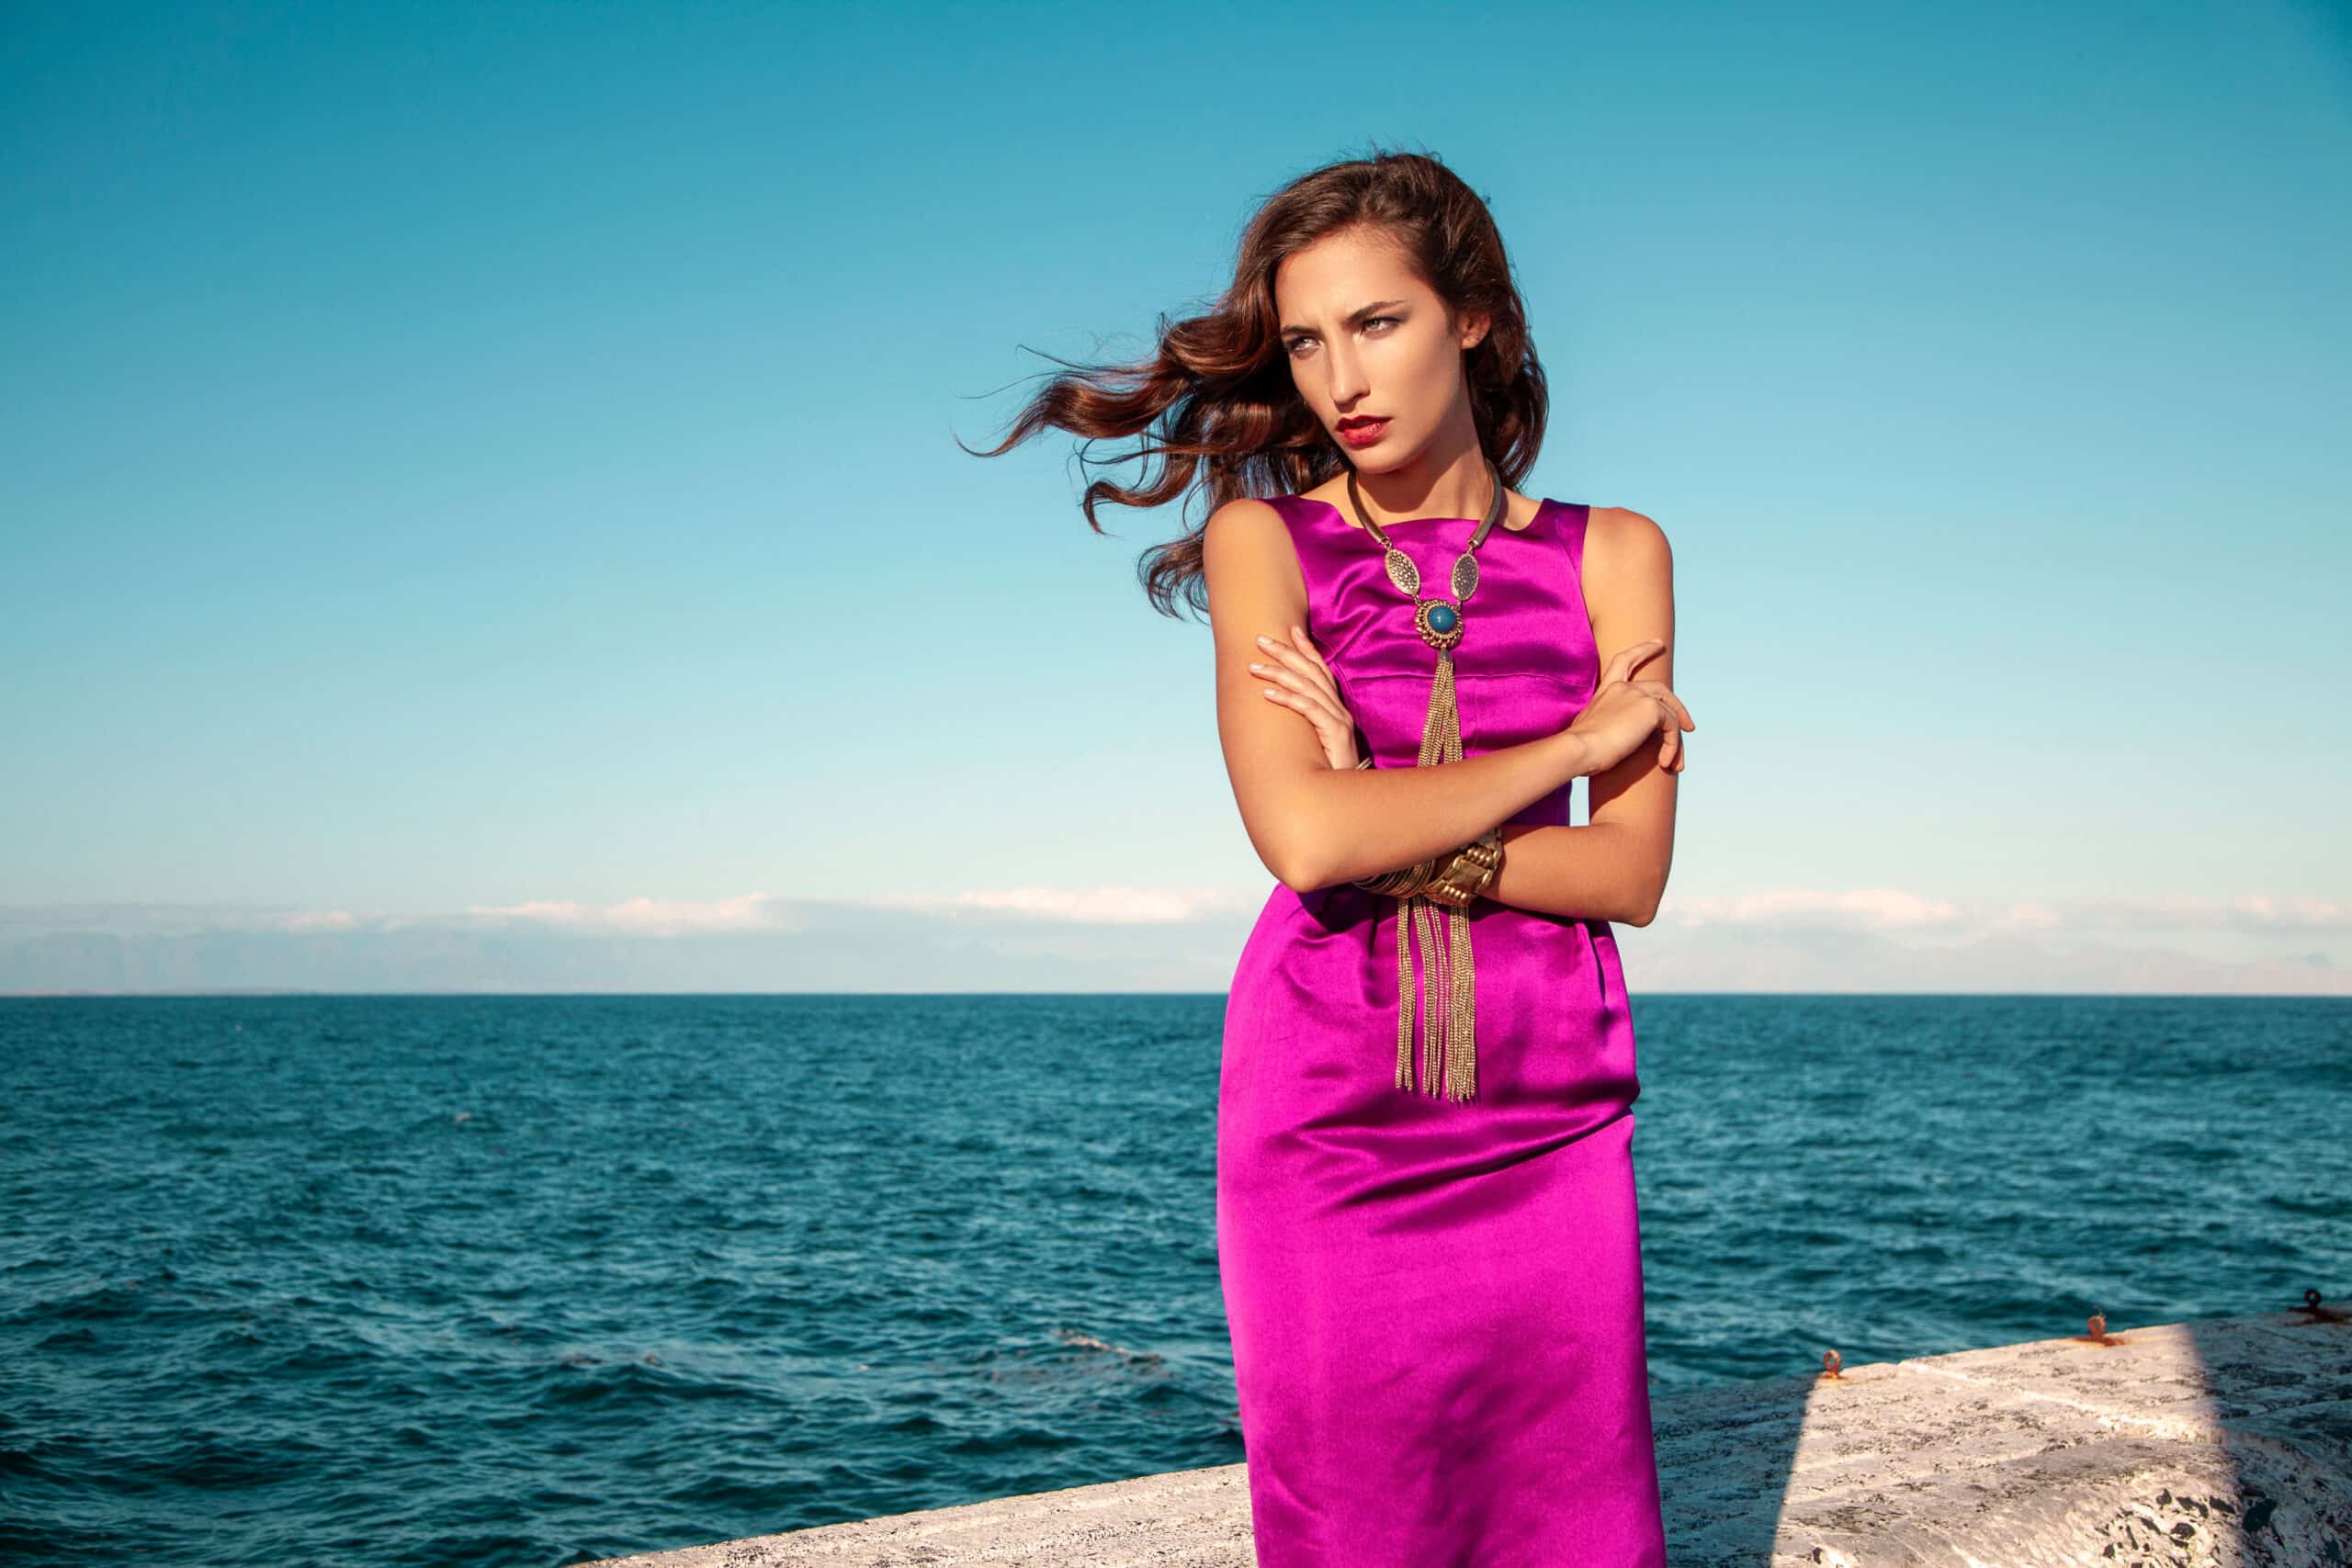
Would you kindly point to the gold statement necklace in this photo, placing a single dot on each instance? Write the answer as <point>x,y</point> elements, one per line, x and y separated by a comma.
<point>1444,942</point>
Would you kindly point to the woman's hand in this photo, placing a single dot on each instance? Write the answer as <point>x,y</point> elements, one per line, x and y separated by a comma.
<point>1624,713</point>
<point>1305,684</point>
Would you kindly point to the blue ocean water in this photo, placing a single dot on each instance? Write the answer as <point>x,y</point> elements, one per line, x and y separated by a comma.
<point>537,1279</point>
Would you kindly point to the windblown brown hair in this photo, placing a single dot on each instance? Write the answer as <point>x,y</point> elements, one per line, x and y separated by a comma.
<point>1219,389</point>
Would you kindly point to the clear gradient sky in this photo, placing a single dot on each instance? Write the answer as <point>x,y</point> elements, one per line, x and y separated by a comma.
<point>479,508</point>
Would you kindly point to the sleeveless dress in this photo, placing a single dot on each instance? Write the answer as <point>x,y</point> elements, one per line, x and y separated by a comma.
<point>1435,1305</point>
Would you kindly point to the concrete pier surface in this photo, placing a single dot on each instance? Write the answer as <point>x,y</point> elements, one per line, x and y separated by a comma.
<point>2208,1444</point>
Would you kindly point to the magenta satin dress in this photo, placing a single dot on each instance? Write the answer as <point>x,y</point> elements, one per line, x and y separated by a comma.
<point>1436,1305</point>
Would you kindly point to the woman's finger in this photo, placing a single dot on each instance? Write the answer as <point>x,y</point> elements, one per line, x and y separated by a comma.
<point>1306,686</point>
<point>1306,645</point>
<point>1311,696</point>
<point>1311,668</point>
<point>1620,667</point>
<point>1664,696</point>
<point>1334,735</point>
<point>1305,703</point>
<point>1680,712</point>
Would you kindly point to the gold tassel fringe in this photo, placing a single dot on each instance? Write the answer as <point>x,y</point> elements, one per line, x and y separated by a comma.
<point>1444,939</point>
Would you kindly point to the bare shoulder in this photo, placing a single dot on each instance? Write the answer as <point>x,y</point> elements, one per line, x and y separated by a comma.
<point>1622,534</point>
<point>1628,579</point>
<point>1624,548</point>
<point>1245,517</point>
<point>1247,556</point>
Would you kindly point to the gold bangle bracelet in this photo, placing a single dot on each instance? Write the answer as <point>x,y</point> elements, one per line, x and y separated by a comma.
<point>1453,880</point>
<point>1405,883</point>
<point>1469,871</point>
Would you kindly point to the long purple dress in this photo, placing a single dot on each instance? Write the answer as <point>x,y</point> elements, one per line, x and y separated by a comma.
<point>1436,1305</point>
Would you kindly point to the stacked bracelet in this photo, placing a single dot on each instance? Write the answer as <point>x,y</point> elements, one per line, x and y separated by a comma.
<point>1453,879</point>
<point>1468,871</point>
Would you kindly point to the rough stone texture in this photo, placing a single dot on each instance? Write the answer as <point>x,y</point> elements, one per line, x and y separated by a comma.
<point>2217,1444</point>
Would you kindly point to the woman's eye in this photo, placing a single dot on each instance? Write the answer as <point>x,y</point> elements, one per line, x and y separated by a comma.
<point>1299,342</point>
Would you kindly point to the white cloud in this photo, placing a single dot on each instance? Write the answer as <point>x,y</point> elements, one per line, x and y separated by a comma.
<point>649,917</point>
<point>1890,909</point>
<point>317,920</point>
<point>1871,908</point>
<point>2312,913</point>
<point>767,912</point>
<point>1085,906</point>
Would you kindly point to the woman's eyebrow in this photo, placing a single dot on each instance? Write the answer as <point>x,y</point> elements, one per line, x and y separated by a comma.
<point>1358,314</point>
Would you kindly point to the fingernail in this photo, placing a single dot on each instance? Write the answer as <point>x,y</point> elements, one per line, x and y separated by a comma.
<point>1266,640</point>
<point>1255,665</point>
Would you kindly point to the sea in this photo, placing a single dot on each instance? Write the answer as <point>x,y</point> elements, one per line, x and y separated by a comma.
<point>538,1279</point>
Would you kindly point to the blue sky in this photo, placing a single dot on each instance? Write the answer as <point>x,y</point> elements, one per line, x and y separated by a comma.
<point>484,478</point>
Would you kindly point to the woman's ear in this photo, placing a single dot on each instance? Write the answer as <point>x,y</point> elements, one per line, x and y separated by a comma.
<point>1474,331</point>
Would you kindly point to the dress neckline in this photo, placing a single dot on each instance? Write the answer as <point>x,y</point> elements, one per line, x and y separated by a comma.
<point>1543,506</point>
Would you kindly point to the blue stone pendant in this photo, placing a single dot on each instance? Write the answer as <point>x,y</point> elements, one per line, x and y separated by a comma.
<point>1438,623</point>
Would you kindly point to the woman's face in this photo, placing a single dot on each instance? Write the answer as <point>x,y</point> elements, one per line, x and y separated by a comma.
<point>1366,337</point>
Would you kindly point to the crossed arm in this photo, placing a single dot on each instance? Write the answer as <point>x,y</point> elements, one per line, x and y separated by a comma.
<point>1314,824</point>
<point>1615,866</point>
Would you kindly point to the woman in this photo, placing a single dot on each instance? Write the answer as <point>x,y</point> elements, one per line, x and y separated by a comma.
<point>1431,1260</point>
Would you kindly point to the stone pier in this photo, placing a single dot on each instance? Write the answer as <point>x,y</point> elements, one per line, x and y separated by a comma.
<point>2225,1441</point>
